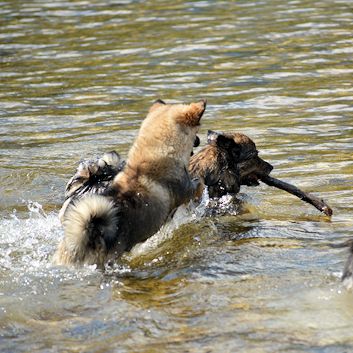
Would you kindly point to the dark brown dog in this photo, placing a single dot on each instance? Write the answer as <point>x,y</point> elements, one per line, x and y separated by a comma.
<point>227,162</point>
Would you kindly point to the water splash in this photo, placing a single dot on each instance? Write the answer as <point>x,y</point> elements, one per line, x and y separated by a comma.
<point>190,213</point>
<point>225,205</point>
<point>184,214</point>
<point>28,242</point>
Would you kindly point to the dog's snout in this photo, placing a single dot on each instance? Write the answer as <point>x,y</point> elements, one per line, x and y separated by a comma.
<point>265,166</point>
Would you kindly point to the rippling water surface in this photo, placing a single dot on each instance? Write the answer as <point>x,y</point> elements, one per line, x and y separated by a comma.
<point>77,78</point>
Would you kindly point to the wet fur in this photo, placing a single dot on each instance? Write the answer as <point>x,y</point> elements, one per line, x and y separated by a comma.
<point>227,162</point>
<point>142,189</point>
<point>139,199</point>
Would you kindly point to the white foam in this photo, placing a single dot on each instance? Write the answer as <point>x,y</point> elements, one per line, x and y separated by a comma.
<point>184,214</point>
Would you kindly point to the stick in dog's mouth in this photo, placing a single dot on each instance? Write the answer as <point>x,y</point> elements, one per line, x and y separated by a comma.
<point>306,197</point>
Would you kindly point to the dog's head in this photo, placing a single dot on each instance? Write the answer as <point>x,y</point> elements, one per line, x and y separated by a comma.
<point>240,155</point>
<point>169,131</point>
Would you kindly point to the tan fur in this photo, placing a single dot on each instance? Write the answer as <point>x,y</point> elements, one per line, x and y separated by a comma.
<point>154,181</point>
<point>162,148</point>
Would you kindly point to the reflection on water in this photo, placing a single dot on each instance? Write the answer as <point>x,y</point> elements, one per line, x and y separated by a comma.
<point>77,77</point>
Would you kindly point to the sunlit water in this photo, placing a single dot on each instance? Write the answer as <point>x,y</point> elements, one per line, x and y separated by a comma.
<point>77,78</point>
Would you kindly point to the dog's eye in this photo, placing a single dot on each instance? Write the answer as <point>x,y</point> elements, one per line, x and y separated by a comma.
<point>196,141</point>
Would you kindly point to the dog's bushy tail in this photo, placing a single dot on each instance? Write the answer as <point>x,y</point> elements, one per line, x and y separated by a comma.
<point>90,226</point>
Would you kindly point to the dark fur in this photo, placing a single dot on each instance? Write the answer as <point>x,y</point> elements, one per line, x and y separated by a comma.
<point>110,206</point>
<point>227,162</point>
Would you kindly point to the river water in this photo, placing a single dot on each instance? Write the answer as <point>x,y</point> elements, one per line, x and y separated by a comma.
<point>77,78</point>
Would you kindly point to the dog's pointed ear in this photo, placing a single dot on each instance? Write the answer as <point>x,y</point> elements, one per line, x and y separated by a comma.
<point>224,142</point>
<point>212,136</point>
<point>192,113</point>
<point>156,104</point>
<point>159,101</point>
<point>219,139</point>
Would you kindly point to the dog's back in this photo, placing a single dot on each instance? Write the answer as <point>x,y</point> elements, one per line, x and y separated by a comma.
<point>152,184</point>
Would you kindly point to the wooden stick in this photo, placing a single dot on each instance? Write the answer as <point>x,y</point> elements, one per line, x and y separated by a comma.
<point>313,200</point>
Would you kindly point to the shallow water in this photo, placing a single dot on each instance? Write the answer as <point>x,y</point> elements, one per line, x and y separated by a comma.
<point>77,78</point>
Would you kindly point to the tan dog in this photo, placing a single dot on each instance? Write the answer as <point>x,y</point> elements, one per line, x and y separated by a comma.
<point>153,183</point>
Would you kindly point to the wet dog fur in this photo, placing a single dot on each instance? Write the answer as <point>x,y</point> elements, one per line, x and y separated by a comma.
<point>228,161</point>
<point>138,200</point>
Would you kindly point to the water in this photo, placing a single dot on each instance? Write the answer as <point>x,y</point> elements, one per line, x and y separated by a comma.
<point>77,77</point>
